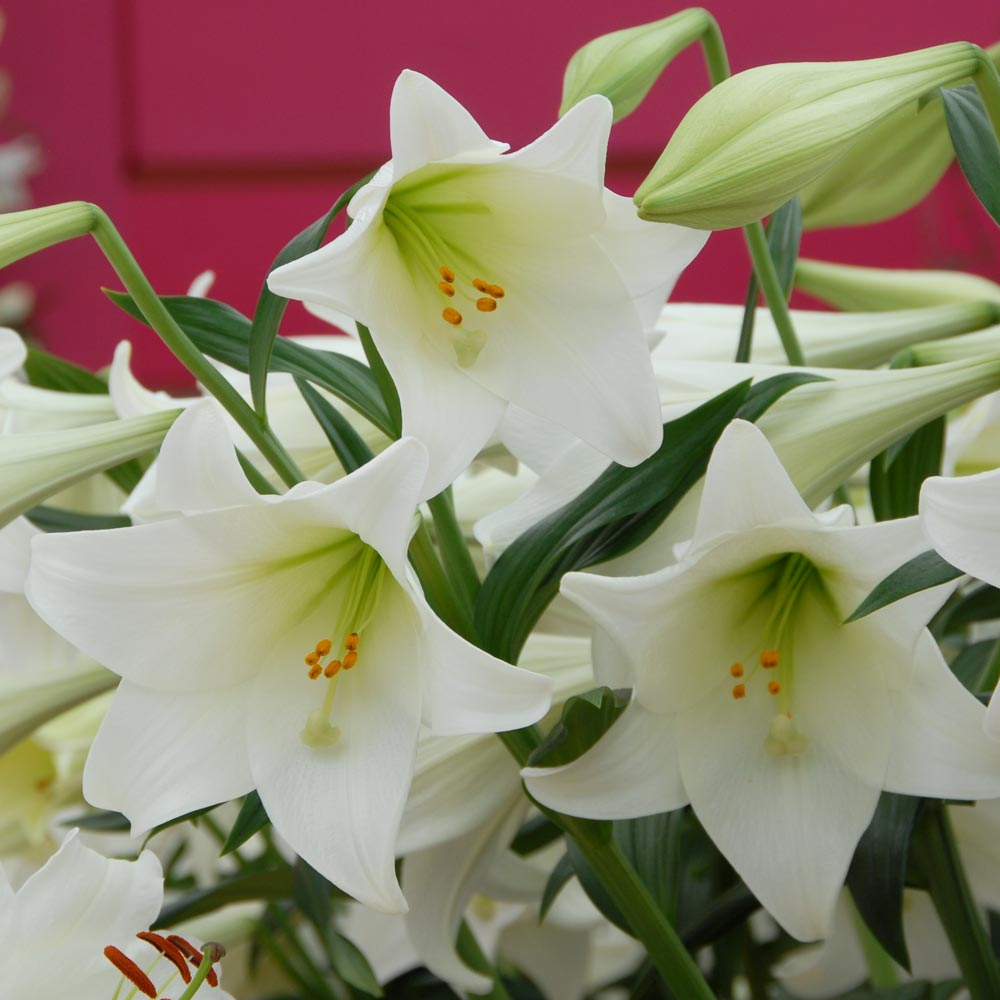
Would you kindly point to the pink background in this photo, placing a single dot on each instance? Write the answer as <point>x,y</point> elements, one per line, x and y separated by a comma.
<point>214,130</point>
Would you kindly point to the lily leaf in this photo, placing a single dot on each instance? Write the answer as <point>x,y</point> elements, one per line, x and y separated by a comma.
<point>268,885</point>
<point>351,965</point>
<point>975,143</point>
<point>46,371</point>
<point>223,334</point>
<point>351,451</point>
<point>251,819</point>
<point>920,573</point>
<point>57,519</point>
<point>271,307</point>
<point>585,719</point>
<point>898,473</point>
<point>558,878</point>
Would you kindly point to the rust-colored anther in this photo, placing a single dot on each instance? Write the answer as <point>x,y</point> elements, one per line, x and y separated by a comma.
<point>194,957</point>
<point>479,285</point>
<point>486,305</point>
<point>447,289</point>
<point>769,659</point>
<point>736,670</point>
<point>312,659</point>
<point>332,668</point>
<point>351,642</point>
<point>496,291</point>
<point>739,691</point>
<point>323,647</point>
<point>168,950</point>
<point>447,273</point>
<point>773,687</point>
<point>350,658</point>
<point>314,671</point>
<point>452,316</point>
<point>130,971</point>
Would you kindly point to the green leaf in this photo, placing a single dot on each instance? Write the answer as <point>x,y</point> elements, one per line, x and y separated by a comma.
<point>972,665</point>
<point>57,519</point>
<point>726,911</point>
<point>612,516</point>
<point>651,844</point>
<point>594,887</point>
<point>897,474</point>
<point>920,573</point>
<point>351,450</point>
<point>557,880</point>
<point>784,235</point>
<point>46,371</point>
<point>100,821</point>
<point>271,307</point>
<point>311,894</point>
<point>978,605</point>
<point>585,719</point>
<point>877,875</point>
<point>382,377</point>
<point>222,333</point>
<point>352,966</point>
<point>535,833</point>
<point>975,143</point>
<point>269,885</point>
<point>251,819</point>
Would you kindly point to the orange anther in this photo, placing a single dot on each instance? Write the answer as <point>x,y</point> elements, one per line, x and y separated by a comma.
<point>332,668</point>
<point>496,291</point>
<point>769,658</point>
<point>739,691</point>
<point>479,285</point>
<point>350,659</point>
<point>773,687</point>
<point>736,670</point>
<point>312,659</point>
<point>323,647</point>
<point>351,642</point>
<point>314,671</point>
<point>485,305</point>
<point>448,290</point>
<point>447,273</point>
<point>452,316</point>
<point>130,971</point>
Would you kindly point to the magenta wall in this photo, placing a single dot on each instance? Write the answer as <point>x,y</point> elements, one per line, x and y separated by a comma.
<point>213,130</point>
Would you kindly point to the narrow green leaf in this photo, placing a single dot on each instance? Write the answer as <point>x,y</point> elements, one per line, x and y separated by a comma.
<point>46,371</point>
<point>382,377</point>
<point>352,966</point>
<point>980,604</point>
<point>251,819</point>
<point>973,663</point>
<point>558,878</point>
<point>585,719</point>
<point>726,911</point>
<point>535,833</point>
<point>268,885</point>
<point>100,820</point>
<point>897,474</point>
<point>55,519</point>
<point>877,875</point>
<point>975,143</point>
<point>651,844</point>
<point>271,307</point>
<point>222,333</point>
<point>350,449</point>
<point>920,573</point>
<point>594,887</point>
<point>311,894</point>
<point>784,235</point>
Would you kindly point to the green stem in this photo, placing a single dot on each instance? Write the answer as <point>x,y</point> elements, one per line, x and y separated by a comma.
<point>201,973</point>
<point>714,51</point>
<point>882,970</point>
<point>938,858</point>
<point>774,294</point>
<point>435,583</point>
<point>454,551</point>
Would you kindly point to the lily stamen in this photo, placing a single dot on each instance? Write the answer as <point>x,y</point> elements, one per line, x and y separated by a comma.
<point>130,971</point>
<point>168,950</point>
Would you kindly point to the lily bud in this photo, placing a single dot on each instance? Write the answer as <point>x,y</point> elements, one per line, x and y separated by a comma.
<point>757,139</point>
<point>25,233</point>
<point>861,289</point>
<point>623,65</point>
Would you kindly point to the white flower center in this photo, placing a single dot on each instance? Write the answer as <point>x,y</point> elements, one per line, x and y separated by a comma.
<point>775,657</point>
<point>354,617</point>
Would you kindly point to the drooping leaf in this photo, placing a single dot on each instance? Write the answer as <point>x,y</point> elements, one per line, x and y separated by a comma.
<point>558,878</point>
<point>252,819</point>
<point>877,875</point>
<point>350,449</point>
<point>46,371</point>
<point>784,235</point>
<point>271,307</point>
<point>585,719</point>
<point>612,516</point>
<point>56,519</point>
<point>223,333</point>
<point>266,885</point>
<point>920,573</point>
<point>897,474</point>
<point>975,143</point>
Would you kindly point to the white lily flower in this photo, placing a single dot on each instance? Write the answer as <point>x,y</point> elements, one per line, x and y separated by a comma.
<point>755,704</point>
<point>79,927</point>
<point>490,279</point>
<point>231,596</point>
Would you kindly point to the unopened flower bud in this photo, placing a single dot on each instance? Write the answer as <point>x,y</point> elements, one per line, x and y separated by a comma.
<point>757,139</point>
<point>623,65</point>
